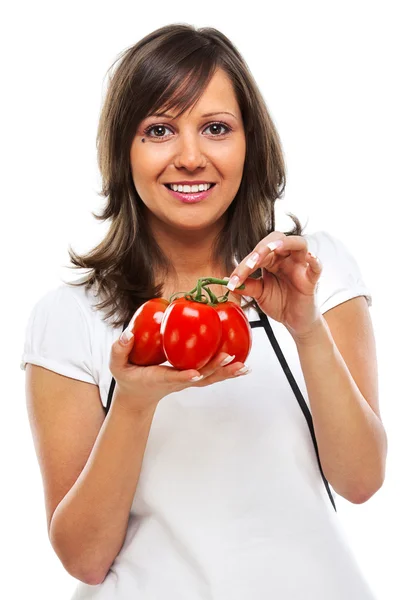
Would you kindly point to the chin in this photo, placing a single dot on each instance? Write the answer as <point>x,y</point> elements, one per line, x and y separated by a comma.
<point>196,223</point>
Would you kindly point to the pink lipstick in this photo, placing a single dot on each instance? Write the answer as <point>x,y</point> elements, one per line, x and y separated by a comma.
<point>190,198</point>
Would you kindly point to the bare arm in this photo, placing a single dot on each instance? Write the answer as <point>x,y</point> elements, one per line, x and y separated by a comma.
<point>90,466</point>
<point>339,364</point>
<point>89,525</point>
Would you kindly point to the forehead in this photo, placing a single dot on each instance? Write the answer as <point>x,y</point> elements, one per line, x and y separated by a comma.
<point>218,95</point>
<point>219,85</point>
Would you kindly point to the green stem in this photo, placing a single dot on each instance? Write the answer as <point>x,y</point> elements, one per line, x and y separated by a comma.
<point>223,298</point>
<point>176,293</point>
<point>199,291</point>
<point>213,297</point>
<point>210,280</point>
<point>196,293</point>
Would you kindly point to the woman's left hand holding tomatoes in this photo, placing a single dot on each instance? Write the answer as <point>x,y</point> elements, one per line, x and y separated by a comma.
<point>286,290</point>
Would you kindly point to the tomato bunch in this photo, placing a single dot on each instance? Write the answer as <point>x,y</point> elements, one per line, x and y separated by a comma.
<point>189,331</point>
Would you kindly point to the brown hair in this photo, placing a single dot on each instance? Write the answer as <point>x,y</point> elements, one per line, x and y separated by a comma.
<point>170,68</point>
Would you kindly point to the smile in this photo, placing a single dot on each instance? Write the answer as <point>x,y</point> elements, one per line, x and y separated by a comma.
<point>190,197</point>
<point>193,189</point>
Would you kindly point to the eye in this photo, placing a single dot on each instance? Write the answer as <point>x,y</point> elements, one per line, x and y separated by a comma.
<point>156,127</point>
<point>218,125</point>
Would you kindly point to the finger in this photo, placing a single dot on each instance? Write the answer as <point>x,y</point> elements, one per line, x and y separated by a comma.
<point>280,246</point>
<point>168,375</point>
<point>220,360</point>
<point>252,287</point>
<point>315,266</point>
<point>121,349</point>
<point>233,369</point>
<point>176,376</point>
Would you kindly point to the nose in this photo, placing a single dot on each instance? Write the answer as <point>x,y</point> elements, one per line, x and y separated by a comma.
<point>189,154</point>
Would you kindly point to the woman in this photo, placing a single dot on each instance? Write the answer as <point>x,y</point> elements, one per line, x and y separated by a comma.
<point>186,489</point>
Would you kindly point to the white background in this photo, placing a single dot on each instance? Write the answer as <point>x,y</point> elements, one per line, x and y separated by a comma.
<point>329,74</point>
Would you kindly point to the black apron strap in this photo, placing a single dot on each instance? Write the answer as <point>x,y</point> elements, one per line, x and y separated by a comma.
<point>112,386</point>
<point>264,322</point>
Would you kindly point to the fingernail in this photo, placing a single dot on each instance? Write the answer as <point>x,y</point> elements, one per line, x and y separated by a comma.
<point>197,378</point>
<point>252,261</point>
<point>274,245</point>
<point>243,371</point>
<point>227,360</point>
<point>232,283</point>
<point>126,336</point>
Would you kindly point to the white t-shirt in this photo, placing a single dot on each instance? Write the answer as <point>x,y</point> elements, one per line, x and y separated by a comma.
<point>230,503</point>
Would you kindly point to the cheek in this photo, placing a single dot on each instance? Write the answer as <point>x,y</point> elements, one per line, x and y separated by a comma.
<point>233,172</point>
<point>230,159</point>
<point>148,160</point>
<point>140,166</point>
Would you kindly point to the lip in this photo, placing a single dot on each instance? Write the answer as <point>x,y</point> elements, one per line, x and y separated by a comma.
<point>197,182</point>
<point>191,198</point>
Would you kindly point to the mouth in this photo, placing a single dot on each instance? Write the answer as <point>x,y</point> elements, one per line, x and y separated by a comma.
<point>190,197</point>
<point>209,185</point>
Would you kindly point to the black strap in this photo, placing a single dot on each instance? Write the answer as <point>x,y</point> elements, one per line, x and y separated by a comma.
<point>264,322</point>
<point>112,386</point>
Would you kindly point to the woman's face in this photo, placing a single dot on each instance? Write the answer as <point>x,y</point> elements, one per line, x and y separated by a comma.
<point>195,147</point>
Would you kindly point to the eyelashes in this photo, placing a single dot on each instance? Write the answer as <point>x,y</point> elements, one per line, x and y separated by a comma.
<point>149,129</point>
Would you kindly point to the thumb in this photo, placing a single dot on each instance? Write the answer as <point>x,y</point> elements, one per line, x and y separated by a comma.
<point>126,338</point>
<point>121,348</point>
<point>252,287</point>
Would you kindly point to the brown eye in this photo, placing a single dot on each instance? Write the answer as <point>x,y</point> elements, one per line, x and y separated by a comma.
<point>216,127</point>
<point>158,130</point>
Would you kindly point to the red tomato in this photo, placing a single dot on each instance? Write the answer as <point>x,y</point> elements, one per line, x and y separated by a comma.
<point>147,346</point>
<point>236,331</point>
<point>191,333</point>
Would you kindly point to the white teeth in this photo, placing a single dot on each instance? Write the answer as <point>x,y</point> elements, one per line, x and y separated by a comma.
<point>190,189</point>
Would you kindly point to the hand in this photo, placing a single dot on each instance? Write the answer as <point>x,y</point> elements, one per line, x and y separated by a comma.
<point>286,289</point>
<point>141,388</point>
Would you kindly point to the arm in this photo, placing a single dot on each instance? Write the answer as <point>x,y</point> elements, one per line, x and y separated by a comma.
<point>89,525</point>
<point>338,361</point>
<point>89,464</point>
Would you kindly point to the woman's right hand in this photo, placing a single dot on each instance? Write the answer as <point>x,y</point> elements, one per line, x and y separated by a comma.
<point>143,387</point>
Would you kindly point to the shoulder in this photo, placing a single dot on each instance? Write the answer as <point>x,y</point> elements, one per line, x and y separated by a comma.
<point>62,333</point>
<point>63,312</point>
<point>64,301</point>
<point>341,278</point>
<point>330,248</point>
<point>325,243</point>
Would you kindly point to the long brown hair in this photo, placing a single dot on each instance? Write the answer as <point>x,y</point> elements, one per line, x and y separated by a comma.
<point>170,68</point>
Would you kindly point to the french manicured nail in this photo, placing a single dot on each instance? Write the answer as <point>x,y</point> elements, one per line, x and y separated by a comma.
<point>126,336</point>
<point>252,261</point>
<point>274,245</point>
<point>227,360</point>
<point>197,378</point>
<point>232,283</point>
<point>243,371</point>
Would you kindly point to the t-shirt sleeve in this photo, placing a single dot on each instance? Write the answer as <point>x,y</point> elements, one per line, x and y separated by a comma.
<point>341,278</point>
<point>57,336</point>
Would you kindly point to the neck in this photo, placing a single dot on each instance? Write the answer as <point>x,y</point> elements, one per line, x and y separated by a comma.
<point>190,253</point>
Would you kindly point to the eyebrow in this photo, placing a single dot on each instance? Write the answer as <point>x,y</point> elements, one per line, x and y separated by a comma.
<point>211,114</point>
